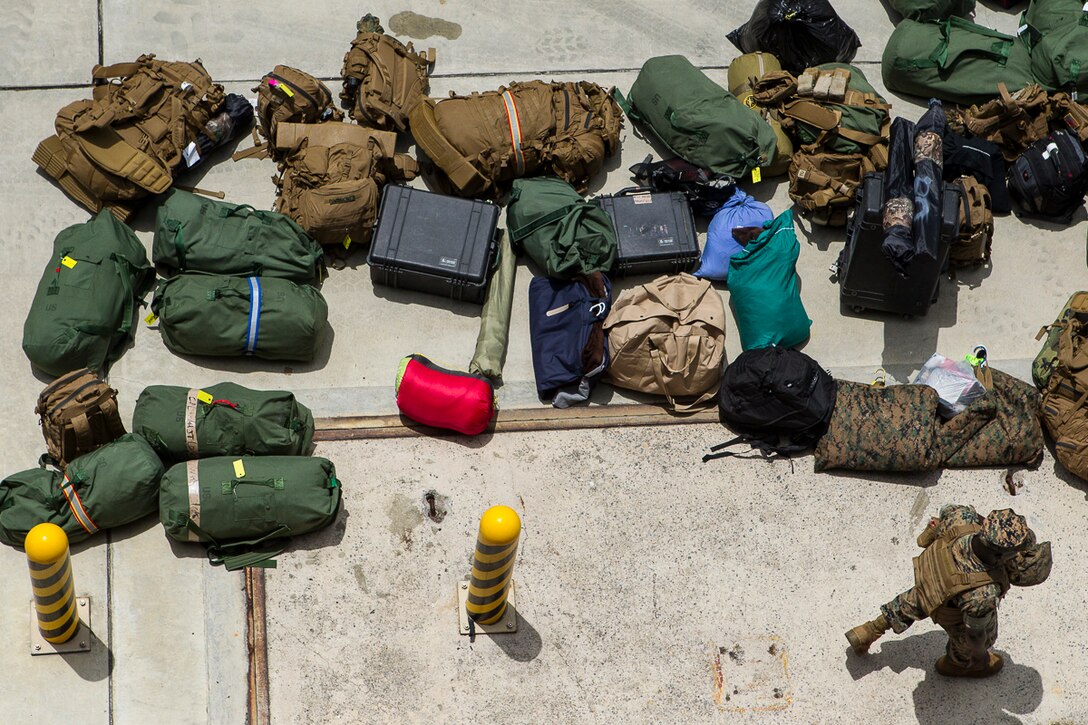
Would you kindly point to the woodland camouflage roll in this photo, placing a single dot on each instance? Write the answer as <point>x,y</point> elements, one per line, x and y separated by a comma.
<point>1013,437</point>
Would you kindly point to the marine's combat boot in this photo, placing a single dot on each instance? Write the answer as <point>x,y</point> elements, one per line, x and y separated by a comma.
<point>991,667</point>
<point>863,636</point>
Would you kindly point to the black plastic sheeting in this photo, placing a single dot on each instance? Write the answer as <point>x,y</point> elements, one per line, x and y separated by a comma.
<point>800,33</point>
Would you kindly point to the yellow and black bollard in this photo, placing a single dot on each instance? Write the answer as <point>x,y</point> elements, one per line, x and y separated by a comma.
<point>55,603</point>
<point>488,589</point>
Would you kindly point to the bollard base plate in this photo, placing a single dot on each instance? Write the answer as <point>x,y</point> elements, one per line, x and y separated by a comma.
<point>80,641</point>
<point>507,625</point>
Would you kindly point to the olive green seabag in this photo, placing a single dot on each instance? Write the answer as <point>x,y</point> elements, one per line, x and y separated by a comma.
<point>933,9</point>
<point>83,310</point>
<point>202,235</point>
<point>954,60</point>
<point>1047,359</point>
<point>697,119</point>
<point>245,509</point>
<point>269,318</point>
<point>110,486</point>
<point>222,420</point>
<point>559,230</point>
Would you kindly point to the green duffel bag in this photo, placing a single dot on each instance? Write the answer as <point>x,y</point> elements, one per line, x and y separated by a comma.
<point>269,318</point>
<point>1045,16</point>
<point>196,234</point>
<point>83,311</point>
<point>933,9</point>
<point>954,60</point>
<point>246,509</point>
<point>697,119</point>
<point>1059,60</point>
<point>224,419</point>
<point>559,230</point>
<point>110,486</point>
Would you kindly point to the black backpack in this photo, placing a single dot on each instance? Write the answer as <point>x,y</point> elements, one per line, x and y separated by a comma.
<point>1049,179</point>
<point>776,399</point>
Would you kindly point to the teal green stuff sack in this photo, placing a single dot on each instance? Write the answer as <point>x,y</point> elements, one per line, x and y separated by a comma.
<point>269,318</point>
<point>245,509</point>
<point>933,9</point>
<point>697,119</point>
<point>110,486</point>
<point>222,420</point>
<point>954,60</point>
<point>83,311</point>
<point>559,230</point>
<point>202,235</point>
<point>764,290</point>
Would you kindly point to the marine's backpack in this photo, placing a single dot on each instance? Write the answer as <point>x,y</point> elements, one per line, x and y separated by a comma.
<point>1049,180</point>
<point>971,247</point>
<point>383,78</point>
<point>112,485</point>
<point>78,413</point>
<point>1064,395</point>
<point>840,128</point>
<point>134,135</point>
<point>246,509</point>
<point>777,400</point>
<point>483,141</point>
<point>289,95</point>
<point>1076,307</point>
<point>83,310</point>
<point>331,175</point>
<point>1013,121</point>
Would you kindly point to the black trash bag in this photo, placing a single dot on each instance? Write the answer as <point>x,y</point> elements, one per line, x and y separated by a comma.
<point>706,191</point>
<point>800,33</point>
<point>898,208</point>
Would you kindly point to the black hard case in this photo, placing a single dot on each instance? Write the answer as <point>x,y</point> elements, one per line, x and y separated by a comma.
<point>434,243</point>
<point>867,279</point>
<point>656,232</point>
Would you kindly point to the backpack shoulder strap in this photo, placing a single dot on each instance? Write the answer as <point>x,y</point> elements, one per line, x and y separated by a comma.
<point>460,171</point>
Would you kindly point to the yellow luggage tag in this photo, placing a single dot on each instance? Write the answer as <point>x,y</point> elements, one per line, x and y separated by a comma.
<point>757,175</point>
<point>239,469</point>
<point>347,241</point>
<point>151,318</point>
<point>68,261</point>
<point>205,398</point>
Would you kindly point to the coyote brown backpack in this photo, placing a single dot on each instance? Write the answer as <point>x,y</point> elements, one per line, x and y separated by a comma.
<point>483,141</point>
<point>1013,121</point>
<point>331,175</point>
<point>667,337</point>
<point>289,95</point>
<point>1064,396</point>
<point>1047,359</point>
<point>129,140</point>
<point>383,78</point>
<point>78,413</point>
<point>972,246</point>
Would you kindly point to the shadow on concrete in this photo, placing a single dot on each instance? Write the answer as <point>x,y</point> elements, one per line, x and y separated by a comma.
<point>412,297</point>
<point>919,479</point>
<point>251,364</point>
<point>822,237</point>
<point>1049,226</point>
<point>522,646</point>
<point>909,342</point>
<point>96,664</point>
<point>331,535</point>
<point>1016,690</point>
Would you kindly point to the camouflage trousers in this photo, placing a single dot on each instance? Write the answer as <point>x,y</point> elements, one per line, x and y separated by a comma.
<point>906,609</point>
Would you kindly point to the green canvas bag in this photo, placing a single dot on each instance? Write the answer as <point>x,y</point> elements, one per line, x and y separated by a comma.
<point>697,119</point>
<point>1045,16</point>
<point>933,9</point>
<point>82,313</point>
<point>110,486</point>
<point>269,318</point>
<point>246,509</point>
<point>222,420</point>
<point>193,233</point>
<point>954,60</point>
<point>1059,60</point>
<point>494,336</point>
<point>559,230</point>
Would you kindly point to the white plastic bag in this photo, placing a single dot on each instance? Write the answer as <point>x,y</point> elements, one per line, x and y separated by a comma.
<point>954,381</point>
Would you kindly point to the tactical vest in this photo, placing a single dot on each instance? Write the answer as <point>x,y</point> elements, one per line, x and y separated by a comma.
<point>483,141</point>
<point>383,78</point>
<point>937,578</point>
<point>331,175</point>
<point>129,140</point>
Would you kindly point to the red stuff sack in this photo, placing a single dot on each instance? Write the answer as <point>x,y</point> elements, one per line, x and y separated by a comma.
<point>432,395</point>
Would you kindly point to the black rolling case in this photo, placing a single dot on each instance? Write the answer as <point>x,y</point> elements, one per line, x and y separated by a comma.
<point>867,280</point>
<point>434,243</point>
<point>656,232</point>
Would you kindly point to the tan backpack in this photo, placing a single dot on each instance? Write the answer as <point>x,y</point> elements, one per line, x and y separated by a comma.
<point>78,414</point>
<point>1064,396</point>
<point>129,140</point>
<point>1013,121</point>
<point>383,78</point>
<point>1075,116</point>
<point>483,141</point>
<point>331,175</point>
<point>823,185</point>
<point>288,95</point>
<point>667,337</point>
<point>972,247</point>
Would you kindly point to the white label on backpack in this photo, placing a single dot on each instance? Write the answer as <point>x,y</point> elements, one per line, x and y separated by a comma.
<point>556,310</point>
<point>448,261</point>
<point>643,199</point>
<point>191,154</point>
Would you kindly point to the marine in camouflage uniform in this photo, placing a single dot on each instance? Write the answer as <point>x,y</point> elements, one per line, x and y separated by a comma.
<point>968,564</point>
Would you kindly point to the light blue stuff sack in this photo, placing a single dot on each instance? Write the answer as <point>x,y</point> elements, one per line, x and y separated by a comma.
<point>741,210</point>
